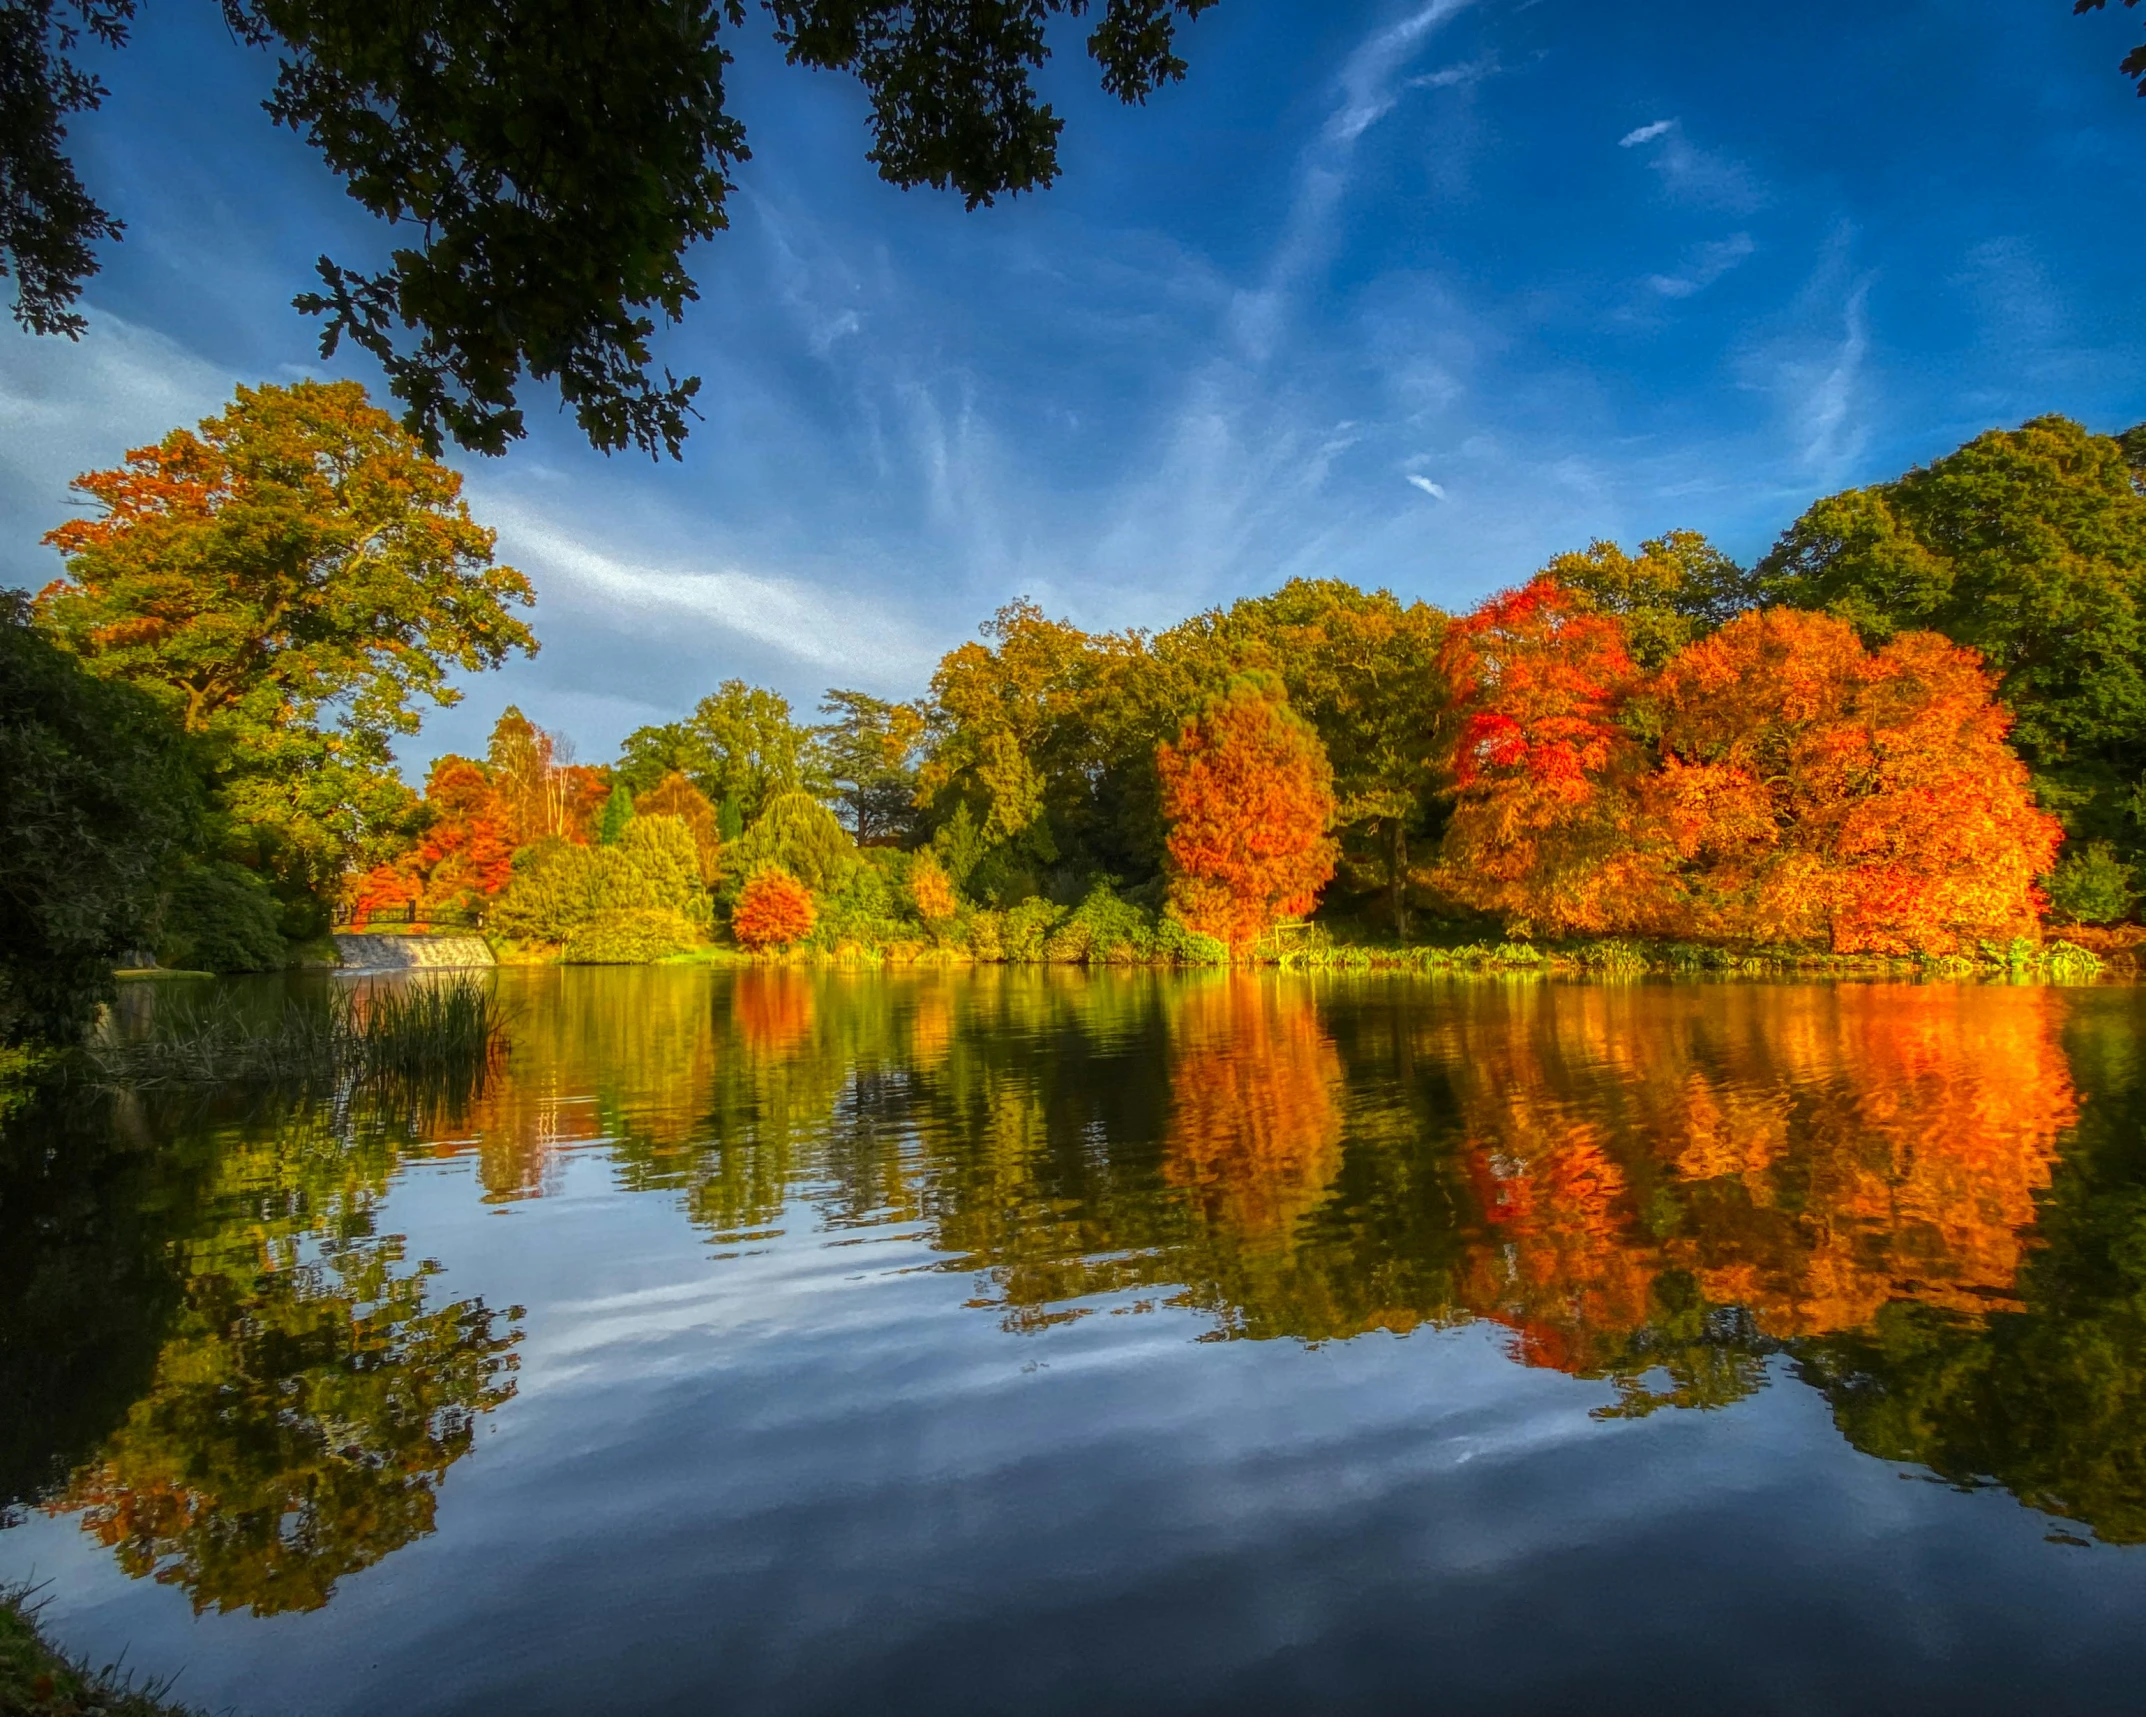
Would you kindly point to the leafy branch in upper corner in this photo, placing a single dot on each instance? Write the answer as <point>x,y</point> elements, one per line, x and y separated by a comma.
<point>552,160</point>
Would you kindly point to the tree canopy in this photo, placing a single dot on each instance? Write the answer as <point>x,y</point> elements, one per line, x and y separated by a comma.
<point>2028,545</point>
<point>548,163</point>
<point>289,583</point>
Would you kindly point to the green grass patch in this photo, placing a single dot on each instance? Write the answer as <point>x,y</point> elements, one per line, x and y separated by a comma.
<point>39,1680</point>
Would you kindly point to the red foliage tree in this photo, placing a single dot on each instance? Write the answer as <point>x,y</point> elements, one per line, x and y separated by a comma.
<point>1249,797</point>
<point>774,910</point>
<point>1544,828</point>
<point>1865,801</point>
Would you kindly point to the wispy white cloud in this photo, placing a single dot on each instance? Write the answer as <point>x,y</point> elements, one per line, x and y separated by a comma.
<point>71,406</point>
<point>1705,264</point>
<point>815,626</point>
<point>1369,86</point>
<point>1436,491</point>
<point>1692,174</point>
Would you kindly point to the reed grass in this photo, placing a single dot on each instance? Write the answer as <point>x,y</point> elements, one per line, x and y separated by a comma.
<point>452,1029</point>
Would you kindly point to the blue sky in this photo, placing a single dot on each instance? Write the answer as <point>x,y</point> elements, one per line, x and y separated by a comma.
<point>1411,294</point>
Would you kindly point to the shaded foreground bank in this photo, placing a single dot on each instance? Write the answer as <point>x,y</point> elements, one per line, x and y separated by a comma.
<point>38,1680</point>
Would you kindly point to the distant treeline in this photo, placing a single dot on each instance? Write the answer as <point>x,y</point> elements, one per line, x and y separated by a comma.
<point>1916,727</point>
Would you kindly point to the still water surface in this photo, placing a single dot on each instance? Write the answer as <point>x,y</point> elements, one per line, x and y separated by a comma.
<point>820,1342</point>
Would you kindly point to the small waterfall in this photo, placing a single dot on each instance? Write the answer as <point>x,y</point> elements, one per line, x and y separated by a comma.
<point>362,953</point>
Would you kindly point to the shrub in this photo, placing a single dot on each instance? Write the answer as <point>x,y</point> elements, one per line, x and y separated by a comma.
<point>2093,886</point>
<point>1177,942</point>
<point>553,893</point>
<point>1025,929</point>
<point>630,936</point>
<point>931,891</point>
<point>675,796</point>
<point>796,834</point>
<point>861,911</point>
<point>774,910</point>
<point>982,934</point>
<point>1103,930</point>
<point>222,917</point>
<point>661,852</point>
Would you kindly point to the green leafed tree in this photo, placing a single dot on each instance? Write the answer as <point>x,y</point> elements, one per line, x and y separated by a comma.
<point>290,583</point>
<point>868,753</point>
<point>740,742</point>
<point>1678,588</point>
<point>2029,545</point>
<point>98,803</point>
<point>546,165</point>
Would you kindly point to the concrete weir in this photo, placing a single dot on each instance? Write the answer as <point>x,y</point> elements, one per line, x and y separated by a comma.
<point>360,953</point>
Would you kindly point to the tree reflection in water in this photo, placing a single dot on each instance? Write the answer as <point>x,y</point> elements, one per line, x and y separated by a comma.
<point>301,1398</point>
<point>1926,1202</point>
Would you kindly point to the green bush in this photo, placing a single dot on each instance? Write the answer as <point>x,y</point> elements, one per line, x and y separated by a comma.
<point>661,853</point>
<point>630,936</point>
<point>554,892</point>
<point>1024,930</point>
<point>1186,947</point>
<point>2093,886</point>
<point>222,917</point>
<point>981,930</point>
<point>796,833</point>
<point>865,910</point>
<point>1103,930</point>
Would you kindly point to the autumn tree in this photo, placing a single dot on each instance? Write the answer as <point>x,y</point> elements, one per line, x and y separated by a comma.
<point>2029,546</point>
<point>931,891</point>
<point>773,910</point>
<point>1545,829</point>
<point>1249,798</point>
<point>546,794</point>
<point>288,582</point>
<point>1823,794</point>
<point>1363,668</point>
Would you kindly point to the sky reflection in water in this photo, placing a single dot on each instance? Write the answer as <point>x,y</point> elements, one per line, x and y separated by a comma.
<point>821,1341</point>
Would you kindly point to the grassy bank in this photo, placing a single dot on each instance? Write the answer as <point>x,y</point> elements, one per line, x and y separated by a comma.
<point>2057,960</point>
<point>39,1680</point>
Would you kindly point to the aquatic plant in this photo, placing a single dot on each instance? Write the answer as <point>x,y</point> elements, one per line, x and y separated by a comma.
<point>453,1027</point>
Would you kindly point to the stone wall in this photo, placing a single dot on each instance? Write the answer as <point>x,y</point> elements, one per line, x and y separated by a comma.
<point>362,953</point>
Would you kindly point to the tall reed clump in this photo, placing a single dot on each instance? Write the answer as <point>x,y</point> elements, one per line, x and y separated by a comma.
<point>451,1028</point>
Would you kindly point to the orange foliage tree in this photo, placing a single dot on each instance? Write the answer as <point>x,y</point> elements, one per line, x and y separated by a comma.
<point>1824,794</point>
<point>774,910</point>
<point>464,857</point>
<point>1544,827</point>
<point>932,890</point>
<point>675,796</point>
<point>1249,799</point>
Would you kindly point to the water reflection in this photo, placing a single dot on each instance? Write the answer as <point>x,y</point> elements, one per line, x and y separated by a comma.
<point>1926,1202</point>
<point>261,1395</point>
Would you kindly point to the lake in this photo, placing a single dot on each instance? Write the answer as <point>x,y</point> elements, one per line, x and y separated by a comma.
<point>815,1341</point>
